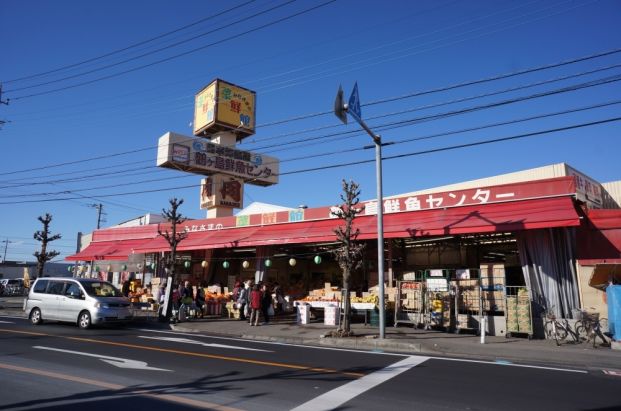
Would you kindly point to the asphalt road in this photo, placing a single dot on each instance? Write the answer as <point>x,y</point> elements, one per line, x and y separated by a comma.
<point>57,366</point>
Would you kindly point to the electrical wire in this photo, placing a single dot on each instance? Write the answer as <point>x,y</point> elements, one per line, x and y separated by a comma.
<point>140,43</point>
<point>341,164</point>
<point>229,24</point>
<point>344,151</point>
<point>435,90</point>
<point>263,26</point>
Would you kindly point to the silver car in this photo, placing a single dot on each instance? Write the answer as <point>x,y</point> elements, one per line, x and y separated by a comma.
<point>83,301</point>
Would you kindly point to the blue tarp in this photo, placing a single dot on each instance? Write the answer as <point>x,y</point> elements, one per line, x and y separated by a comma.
<point>613,297</point>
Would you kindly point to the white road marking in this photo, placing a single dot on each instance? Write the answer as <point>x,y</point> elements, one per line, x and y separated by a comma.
<point>539,367</point>
<point>338,396</point>
<point>313,347</point>
<point>7,322</point>
<point>362,351</point>
<point>204,344</point>
<point>116,361</point>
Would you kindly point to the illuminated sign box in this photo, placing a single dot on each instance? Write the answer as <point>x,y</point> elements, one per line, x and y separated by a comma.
<point>222,191</point>
<point>199,156</point>
<point>222,106</point>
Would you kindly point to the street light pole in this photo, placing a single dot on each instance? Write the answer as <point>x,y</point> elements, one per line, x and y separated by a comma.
<point>353,109</point>
<point>380,234</point>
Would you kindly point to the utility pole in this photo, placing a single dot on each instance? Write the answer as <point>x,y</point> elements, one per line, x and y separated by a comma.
<point>6,245</point>
<point>5,102</point>
<point>100,213</point>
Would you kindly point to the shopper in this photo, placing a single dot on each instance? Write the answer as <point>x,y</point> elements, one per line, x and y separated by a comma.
<point>266,302</point>
<point>280,298</point>
<point>255,304</point>
<point>242,300</point>
<point>200,301</point>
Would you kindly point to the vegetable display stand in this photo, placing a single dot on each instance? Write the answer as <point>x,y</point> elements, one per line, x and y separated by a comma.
<point>519,312</point>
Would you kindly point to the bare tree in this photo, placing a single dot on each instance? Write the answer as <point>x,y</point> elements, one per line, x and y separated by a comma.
<point>44,237</point>
<point>349,253</point>
<point>173,237</point>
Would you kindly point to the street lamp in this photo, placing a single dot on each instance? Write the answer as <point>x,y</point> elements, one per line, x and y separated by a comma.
<point>341,109</point>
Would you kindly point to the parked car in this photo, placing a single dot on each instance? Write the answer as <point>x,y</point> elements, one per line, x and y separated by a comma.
<point>82,301</point>
<point>12,287</point>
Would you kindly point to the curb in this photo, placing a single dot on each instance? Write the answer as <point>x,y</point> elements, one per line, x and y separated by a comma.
<point>358,343</point>
<point>392,346</point>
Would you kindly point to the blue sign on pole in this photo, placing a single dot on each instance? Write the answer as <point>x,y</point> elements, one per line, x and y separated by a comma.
<point>353,106</point>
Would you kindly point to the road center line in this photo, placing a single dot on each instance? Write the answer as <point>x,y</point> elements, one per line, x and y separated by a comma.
<point>338,396</point>
<point>117,387</point>
<point>201,355</point>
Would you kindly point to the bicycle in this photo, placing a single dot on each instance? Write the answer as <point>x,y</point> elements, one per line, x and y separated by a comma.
<point>554,329</point>
<point>589,327</point>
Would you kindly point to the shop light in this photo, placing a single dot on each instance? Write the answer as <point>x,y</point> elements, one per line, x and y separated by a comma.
<point>430,240</point>
<point>244,250</point>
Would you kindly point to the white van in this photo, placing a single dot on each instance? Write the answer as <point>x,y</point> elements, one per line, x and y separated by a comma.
<point>83,301</point>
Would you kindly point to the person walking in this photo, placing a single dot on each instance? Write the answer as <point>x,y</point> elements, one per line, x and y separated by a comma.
<point>199,301</point>
<point>255,304</point>
<point>280,299</point>
<point>266,302</point>
<point>242,301</point>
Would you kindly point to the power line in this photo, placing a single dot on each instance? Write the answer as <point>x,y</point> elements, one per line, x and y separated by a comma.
<point>436,90</point>
<point>325,154</point>
<point>152,51</point>
<point>456,86</point>
<point>454,147</point>
<point>178,55</point>
<point>387,126</point>
<point>130,46</point>
<point>339,165</point>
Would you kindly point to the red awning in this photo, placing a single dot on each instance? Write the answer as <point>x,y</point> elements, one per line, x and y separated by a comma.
<point>484,218</point>
<point>107,250</point>
<point>599,238</point>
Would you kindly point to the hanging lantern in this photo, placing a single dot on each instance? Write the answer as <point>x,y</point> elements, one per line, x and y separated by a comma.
<point>187,264</point>
<point>268,263</point>
<point>96,268</point>
<point>292,262</point>
<point>204,263</point>
<point>109,268</point>
<point>153,266</point>
<point>226,264</point>
<point>124,267</point>
<point>245,264</point>
<point>317,259</point>
<point>70,268</point>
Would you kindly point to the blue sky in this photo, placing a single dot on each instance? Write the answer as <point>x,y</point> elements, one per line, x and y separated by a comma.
<point>295,63</point>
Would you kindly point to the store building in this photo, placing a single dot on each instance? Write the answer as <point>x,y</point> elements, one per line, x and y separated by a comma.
<point>551,231</point>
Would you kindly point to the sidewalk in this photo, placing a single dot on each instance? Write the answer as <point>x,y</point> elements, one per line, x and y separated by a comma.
<point>404,339</point>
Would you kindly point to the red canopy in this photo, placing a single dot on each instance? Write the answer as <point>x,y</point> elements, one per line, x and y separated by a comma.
<point>484,218</point>
<point>107,250</point>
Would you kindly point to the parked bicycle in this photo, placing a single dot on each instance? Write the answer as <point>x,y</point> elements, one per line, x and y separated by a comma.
<point>589,327</point>
<point>557,330</point>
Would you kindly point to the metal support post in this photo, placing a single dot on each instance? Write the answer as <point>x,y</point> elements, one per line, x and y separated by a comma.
<point>380,236</point>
